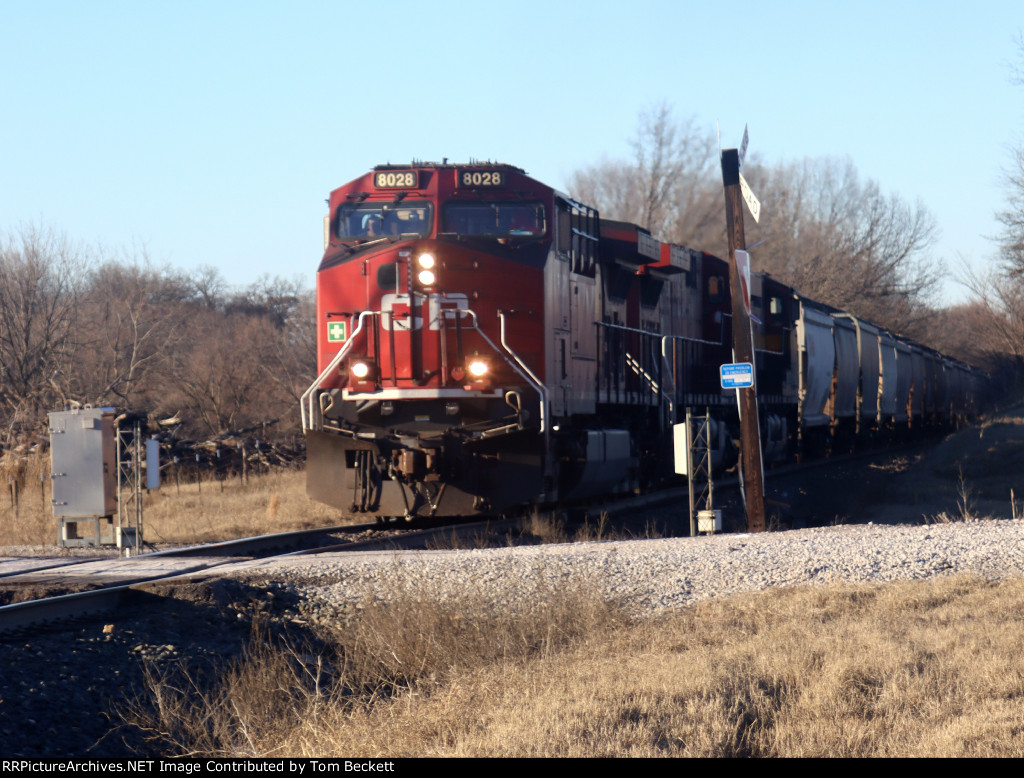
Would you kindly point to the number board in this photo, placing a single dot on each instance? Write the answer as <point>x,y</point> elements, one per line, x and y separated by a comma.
<point>395,179</point>
<point>475,178</point>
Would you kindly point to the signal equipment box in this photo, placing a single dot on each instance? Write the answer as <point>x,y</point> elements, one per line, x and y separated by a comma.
<point>84,471</point>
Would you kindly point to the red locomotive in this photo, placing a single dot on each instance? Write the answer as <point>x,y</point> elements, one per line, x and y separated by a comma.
<point>485,342</point>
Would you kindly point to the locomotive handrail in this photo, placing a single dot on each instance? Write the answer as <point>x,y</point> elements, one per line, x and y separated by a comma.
<point>657,388</point>
<point>308,395</point>
<point>525,373</point>
<point>623,327</point>
<point>312,417</point>
<point>530,378</point>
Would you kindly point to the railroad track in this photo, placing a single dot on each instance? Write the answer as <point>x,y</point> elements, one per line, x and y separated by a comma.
<point>251,546</point>
<point>106,585</point>
<point>109,584</point>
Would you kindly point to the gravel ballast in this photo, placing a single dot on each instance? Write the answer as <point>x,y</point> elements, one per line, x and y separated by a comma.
<point>58,686</point>
<point>652,575</point>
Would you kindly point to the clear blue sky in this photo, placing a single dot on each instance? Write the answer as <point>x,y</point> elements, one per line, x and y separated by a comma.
<point>211,132</point>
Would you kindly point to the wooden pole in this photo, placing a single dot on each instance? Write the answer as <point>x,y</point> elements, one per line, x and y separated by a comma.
<point>750,435</point>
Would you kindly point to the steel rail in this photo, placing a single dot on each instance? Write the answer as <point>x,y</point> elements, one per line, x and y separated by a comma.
<point>86,604</point>
<point>22,615</point>
<point>237,547</point>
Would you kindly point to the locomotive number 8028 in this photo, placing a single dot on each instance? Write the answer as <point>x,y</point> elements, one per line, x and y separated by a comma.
<point>486,342</point>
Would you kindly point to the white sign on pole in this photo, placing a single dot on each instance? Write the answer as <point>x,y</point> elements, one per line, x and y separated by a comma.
<point>152,464</point>
<point>743,266</point>
<point>750,199</point>
<point>743,145</point>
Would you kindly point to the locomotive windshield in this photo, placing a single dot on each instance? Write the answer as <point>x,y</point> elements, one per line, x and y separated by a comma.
<point>498,219</point>
<point>371,220</point>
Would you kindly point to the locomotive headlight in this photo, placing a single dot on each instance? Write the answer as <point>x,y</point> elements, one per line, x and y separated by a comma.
<point>478,368</point>
<point>426,277</point>
<point>425,261</point>
<point>360,370</point>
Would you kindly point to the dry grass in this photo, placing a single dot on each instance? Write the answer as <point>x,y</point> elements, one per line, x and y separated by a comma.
<point>908,669</point>
<point>180,513</point>
<point>26,514</point>
<point>208,511</point>
<point>383,655</point>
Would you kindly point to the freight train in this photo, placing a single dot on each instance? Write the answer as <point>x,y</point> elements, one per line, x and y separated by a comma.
<point>486,342</point>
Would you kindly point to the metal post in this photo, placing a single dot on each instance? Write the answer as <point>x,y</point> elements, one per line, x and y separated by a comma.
<point>119,458</point>
<point>711,468</point>
<point>750,438</point>
<point>138,486</point>
<point>689,471</point>
<point>129,480</point>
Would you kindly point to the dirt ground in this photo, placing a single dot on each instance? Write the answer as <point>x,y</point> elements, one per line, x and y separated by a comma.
<point>968,473</point>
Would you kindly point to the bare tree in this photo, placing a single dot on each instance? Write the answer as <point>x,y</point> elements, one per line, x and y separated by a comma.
<point>218,379</point>
<point>250,356</point>
<point>1011,239</point>
<point>287,355</point>
<point>289,359</point>
<point>845,242</point>
<point>125,333</point>
<point>999,289</point>
<point>131,315</point>
<point>823,230</point>
<point>40,281</point>
<point>208,287</point>
<point>667,186</point>
<point>996,330</point>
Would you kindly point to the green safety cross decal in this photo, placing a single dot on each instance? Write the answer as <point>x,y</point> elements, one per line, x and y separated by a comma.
<point>336,331</point>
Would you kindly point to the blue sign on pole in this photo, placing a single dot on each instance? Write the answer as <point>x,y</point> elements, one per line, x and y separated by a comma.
<point>739,375</point>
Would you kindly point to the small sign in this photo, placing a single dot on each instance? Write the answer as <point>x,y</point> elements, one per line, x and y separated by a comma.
<point>152,464</point>
<point>743,145</point>
<point>738,375</point>
<point>336,331</point>
<point>743,266</point>
<point>681,447</point>
<point>750,199</point>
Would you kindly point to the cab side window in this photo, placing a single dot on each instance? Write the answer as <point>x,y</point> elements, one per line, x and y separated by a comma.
<point>716,290</point>
<point>577,235</point>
